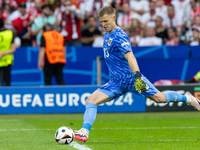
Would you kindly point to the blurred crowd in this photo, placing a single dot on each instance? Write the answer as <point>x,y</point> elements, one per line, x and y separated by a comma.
<point>147,22</point>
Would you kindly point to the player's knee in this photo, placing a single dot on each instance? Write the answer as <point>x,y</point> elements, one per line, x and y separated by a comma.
<point>89,100</point>
<point>158,98</point>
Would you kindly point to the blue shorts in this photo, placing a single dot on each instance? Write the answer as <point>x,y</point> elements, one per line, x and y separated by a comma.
<point>113,89</point>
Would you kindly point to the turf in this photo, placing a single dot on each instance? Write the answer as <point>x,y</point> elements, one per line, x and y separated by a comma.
<point>119,131</point>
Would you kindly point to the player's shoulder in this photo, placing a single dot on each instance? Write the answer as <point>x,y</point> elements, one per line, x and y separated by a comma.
<point>120,34</point>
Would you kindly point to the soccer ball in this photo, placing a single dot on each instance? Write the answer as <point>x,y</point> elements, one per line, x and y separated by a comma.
<point>64,135</point>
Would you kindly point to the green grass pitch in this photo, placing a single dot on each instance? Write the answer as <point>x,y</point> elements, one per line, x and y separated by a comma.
<point>117,131</point>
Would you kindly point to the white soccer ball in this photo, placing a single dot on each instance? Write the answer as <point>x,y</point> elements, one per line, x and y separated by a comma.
<point>64,135</point>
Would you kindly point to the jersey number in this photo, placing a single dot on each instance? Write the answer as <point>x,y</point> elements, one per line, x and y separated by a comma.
<point>106,54</point>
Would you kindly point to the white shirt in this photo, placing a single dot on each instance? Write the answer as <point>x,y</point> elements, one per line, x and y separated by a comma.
<point>139,5</point>
<point>161,11</point>
<point>194,43</point>
<point>89,5</point>
<point>150,41</point>
<point>189,33</point>
<point>146,16</point>
<point>174,22</point>
<point>135,39</point>
<point>180,7</point>
<point>125,20</point>
<point>98,41</point>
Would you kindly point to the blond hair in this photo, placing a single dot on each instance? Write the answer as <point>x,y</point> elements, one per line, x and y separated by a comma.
<point>106,10</point>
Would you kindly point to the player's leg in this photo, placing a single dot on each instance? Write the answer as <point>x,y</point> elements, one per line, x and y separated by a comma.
<point>92,101</point>
<point>103,94</point>
<point>170,96</point>
<point>173,96</point>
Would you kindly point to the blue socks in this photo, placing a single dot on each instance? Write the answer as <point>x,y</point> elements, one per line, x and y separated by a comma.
<point>91,109</point>
<point>173,96</point>
<point>89,116</point>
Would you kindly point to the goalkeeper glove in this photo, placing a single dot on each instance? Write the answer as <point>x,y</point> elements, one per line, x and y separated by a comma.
<point>139,83</point>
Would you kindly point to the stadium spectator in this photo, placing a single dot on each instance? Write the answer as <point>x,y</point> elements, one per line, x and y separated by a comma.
<point>195,10</point>
<point>196,25</point>
<point>139,6</point>
<point>125,18</point>
<point>13,21</point>
<point>20,1</point>
<point>35,9</point>
<point>92,32</point>
<point>93,7</point>
<point>39,22</point>
<point>167,2</point>
<point>25,22</point>
<point>196,37</point>
<point>12,3</point>
<point>82,6</point>
<point>172,18</point>
<point>134,36</point>
<point>70,24</point>
<point>173,39</point>
<point>180,6</point>
<point>5,11</point>
<point>53,51</point>
<point>161,8</point>
<point>98,41</point>
<point>161,30</point>
<point>118,5</point>
<point>135,23</point>
<point>150,39</point>
<point>149,16</point>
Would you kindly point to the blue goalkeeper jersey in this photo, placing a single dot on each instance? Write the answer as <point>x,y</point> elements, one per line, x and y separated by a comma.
<point>115,46</point>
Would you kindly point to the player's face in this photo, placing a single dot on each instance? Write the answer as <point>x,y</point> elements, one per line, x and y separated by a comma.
<point>108,22</point>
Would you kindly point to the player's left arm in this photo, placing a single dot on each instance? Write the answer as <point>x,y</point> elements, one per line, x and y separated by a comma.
<point>139,83</point>
<point>124,45</point>
<point>132,61</point>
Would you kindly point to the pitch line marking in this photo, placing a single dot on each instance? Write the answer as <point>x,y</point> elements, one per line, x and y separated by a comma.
<point>11,120</point>
<point>145,128</point>
<point>136,128</point>
<point>169,140</point>
<point>79,146</point>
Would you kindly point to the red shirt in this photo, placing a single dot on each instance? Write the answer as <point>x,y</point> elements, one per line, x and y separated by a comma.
<point>167,2</point>
<point>172,42</point>
<point>4,14</point>
<point>20,1</point>
<point>195,12</point>
<point>20,22</point>
<point>34,14</point>
<point>70,25</point>
<point>24,19</point>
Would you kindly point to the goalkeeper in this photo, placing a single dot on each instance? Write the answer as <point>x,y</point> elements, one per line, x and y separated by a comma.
<point>124,75</point>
